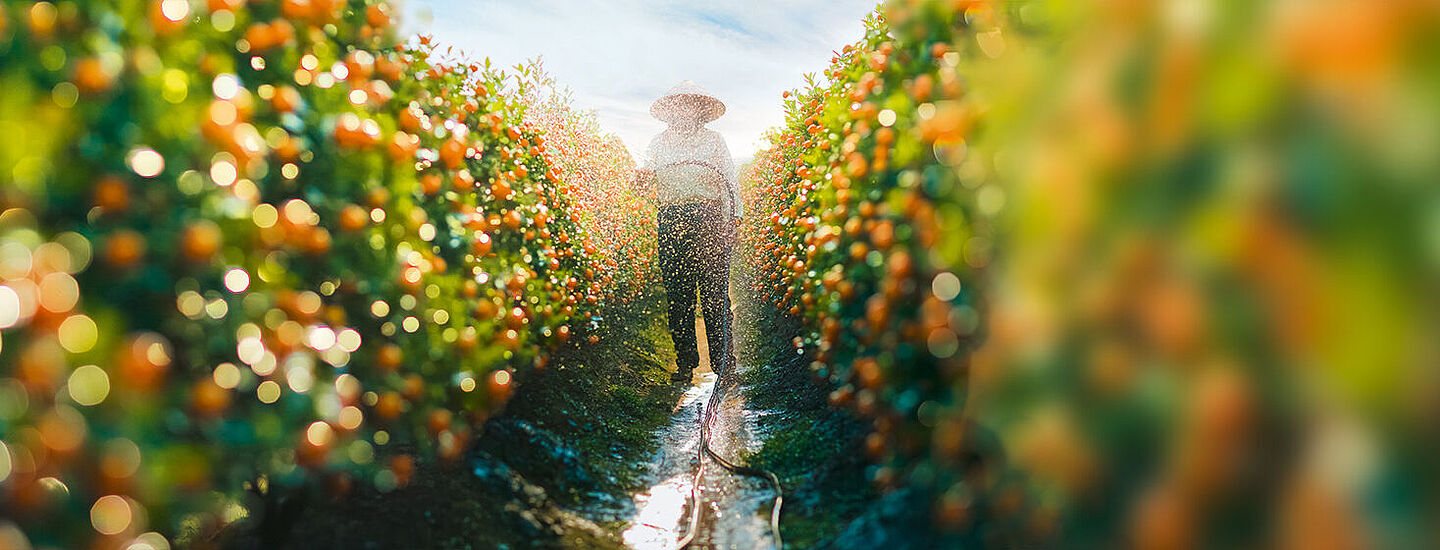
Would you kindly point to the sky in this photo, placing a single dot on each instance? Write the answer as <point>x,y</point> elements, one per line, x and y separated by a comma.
<point>618,56</point>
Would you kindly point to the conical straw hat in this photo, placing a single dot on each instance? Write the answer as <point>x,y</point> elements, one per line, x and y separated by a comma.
<point>675,101</point>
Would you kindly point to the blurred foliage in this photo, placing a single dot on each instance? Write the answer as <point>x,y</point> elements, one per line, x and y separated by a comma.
<point>1181,256</point>
<point>259,244</point>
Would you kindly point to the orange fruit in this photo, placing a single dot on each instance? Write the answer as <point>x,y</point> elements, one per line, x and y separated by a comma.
<point>414,387</point>
<point>378,15</point>
<point>112,195</point>
<point>200,240</point>
<point>438,421</point>
<point>403,466</point>
<point>295,9</point>
<point>124,248</point>
<point>353,218</point>
<point>217,5</point>
<point>286,99</point>
<point>403,146</point>
<point>462,181</point>
<point>500,189</point>
<point>513,219</point>
<point>91,77</point>
<point>377,197</point>
<point>430,183</point>
<point>389,68</point>
<point>143,361</point>
<point>452,153</point>
<point>481,245</point>
<point>209,399</point>
<point>389,357</point>
<point>389,405</point>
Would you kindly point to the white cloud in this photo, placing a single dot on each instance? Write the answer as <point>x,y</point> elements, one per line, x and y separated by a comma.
<point>619,55</point>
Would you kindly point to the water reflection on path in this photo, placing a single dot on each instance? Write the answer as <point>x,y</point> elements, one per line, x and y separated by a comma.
<point>660,519</point>
<point>733,508</point>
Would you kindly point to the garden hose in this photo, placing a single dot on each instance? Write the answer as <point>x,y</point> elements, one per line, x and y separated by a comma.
<point>707,416</point>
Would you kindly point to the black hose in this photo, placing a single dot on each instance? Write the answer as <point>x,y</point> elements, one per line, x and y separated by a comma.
<point>707,417</point>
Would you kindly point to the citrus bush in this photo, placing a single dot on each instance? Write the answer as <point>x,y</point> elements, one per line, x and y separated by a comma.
<point>595,170</point>
<point>257,243</point>
<point>1179,260</point>
<point>858,233</point>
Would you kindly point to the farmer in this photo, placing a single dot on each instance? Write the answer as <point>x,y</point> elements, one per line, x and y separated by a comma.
<point>692,175</point>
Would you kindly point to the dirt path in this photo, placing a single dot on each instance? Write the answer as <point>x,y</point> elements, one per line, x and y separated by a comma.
<point>733,509</point>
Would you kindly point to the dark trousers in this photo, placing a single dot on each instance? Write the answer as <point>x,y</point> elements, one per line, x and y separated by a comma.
<point>695,246</point>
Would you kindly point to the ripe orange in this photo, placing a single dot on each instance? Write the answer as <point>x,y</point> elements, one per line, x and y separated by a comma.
<point>378,15</point>
<point>353,218</point>
<point>513,219</point>
<point>430,183</point>
<point>209,399</point>
<point>124,248</point>
<point>112,195</point>
<point>500,189</point>
<point>389,405</point>
<point>388,358</point>
<point>481,245</point>
<point>452,153</point>
<point>286,99</point>
<point>91,77</point>
<point>438,421</point>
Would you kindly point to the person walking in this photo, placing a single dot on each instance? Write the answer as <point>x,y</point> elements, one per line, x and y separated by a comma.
<point>694,180</point>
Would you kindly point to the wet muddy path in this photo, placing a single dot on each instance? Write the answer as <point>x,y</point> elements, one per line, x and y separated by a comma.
<point>733,509</point>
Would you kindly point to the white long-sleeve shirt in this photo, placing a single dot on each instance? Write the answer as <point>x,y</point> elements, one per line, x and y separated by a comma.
<point>694,166</point>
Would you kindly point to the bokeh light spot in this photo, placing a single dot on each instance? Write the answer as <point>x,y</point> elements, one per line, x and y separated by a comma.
<point>268,391</point>
<point>887,117</point>
<point>146,162</point>
<point>946,286</point>
<point>321,338</point>
<point>6,464</point>
<point>225,86</point>
<point>65,94</point>
<point>223,173</point>
<point>227,375</point>
<point>89,385</point>
<point>59,292</point>
<point>348,340</point>
<point>351,417</point>
<point>265,216</point>
<point>9,307</point>
<point>175,10</point>
<point>78,333</point>
<point>319,433</point>
<point>237,280</point>
<point>110,515</point>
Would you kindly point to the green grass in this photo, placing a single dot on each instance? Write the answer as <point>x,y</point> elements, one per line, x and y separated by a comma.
<point>813,448</point>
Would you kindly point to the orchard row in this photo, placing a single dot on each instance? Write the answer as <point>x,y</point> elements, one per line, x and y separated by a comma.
<point>251,244</point>
<point>1121,272</point>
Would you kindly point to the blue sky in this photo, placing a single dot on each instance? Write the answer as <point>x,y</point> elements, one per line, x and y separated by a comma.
<point>619,55</point>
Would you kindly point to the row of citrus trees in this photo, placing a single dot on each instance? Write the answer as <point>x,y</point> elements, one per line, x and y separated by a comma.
<point>595,170</point>
<point>1180,257</point>
<point>260,242</point>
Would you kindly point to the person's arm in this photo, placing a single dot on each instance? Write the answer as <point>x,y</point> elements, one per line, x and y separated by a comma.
<point>732,180</point>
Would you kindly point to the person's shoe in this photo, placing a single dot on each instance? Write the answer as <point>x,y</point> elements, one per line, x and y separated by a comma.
<point>681,376</point>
